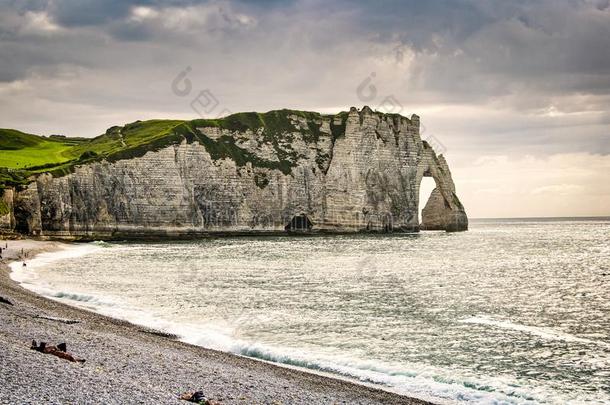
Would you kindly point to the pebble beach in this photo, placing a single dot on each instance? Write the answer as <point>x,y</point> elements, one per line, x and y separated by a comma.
<point>126,363</point>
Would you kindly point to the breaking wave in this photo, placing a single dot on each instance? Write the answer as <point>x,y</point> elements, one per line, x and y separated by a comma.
<point>415,328</point>
<point>543,332</point>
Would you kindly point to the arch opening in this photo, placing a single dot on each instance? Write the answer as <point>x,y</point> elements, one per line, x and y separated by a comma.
<point>425,190</point>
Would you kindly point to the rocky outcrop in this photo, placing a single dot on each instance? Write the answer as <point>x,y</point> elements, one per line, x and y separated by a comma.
<point>353,172</point>
<point>444,211</point>
<point>7,220</point>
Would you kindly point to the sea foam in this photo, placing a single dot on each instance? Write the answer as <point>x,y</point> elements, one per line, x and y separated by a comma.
<point>182,286</point>
<point>543,332</point>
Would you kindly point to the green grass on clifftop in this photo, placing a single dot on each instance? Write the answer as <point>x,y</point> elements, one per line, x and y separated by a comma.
<point>23,155</point>
<point>20,150</point>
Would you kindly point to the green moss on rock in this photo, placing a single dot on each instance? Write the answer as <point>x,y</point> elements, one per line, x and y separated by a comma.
<point>225,148</point>
<point>4,208</point>
<point>337,125</point>
<point>261,180</point>
<point>12,178</point>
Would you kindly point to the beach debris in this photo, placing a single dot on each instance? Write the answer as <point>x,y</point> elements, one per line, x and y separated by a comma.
<point>62,320</point>
<point>197,397</point>
<point>160,333</point>
<point>5,301</point>
<point>60,351</point>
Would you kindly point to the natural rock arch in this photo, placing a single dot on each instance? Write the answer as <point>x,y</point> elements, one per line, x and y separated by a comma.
<point>356,171</point>
<point>443,211</point>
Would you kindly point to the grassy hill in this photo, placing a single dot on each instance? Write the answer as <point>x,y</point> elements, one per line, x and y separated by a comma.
<point>21,150</point>
<point>23,155</point>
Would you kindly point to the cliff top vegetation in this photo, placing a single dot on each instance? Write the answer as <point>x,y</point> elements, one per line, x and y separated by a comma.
<point>24,155</point>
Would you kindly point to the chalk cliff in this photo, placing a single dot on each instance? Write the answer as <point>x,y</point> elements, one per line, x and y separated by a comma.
<point>355,171</point>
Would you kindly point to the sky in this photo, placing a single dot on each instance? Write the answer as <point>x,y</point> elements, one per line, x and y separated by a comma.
<point>515,94</point>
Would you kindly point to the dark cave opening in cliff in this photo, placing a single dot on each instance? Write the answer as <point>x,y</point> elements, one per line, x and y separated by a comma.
<point>299,223</point>
<point>425,189</point>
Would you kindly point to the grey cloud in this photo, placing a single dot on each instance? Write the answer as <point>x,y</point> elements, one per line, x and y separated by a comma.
<point>520,56</point>
<point>72,13</point>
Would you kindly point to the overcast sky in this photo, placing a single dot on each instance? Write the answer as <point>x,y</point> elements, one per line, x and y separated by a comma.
<point>515,93</point>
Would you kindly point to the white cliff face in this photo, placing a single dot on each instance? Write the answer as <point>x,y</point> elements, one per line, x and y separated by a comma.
<point>363,178</point>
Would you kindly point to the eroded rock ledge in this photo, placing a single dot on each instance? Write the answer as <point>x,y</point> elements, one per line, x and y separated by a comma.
<point>358,171</point>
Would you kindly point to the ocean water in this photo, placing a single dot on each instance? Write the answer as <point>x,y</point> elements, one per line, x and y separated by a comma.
<point>511,312</point>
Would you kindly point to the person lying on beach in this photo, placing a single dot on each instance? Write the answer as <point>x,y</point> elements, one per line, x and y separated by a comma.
<point>59,351</point>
